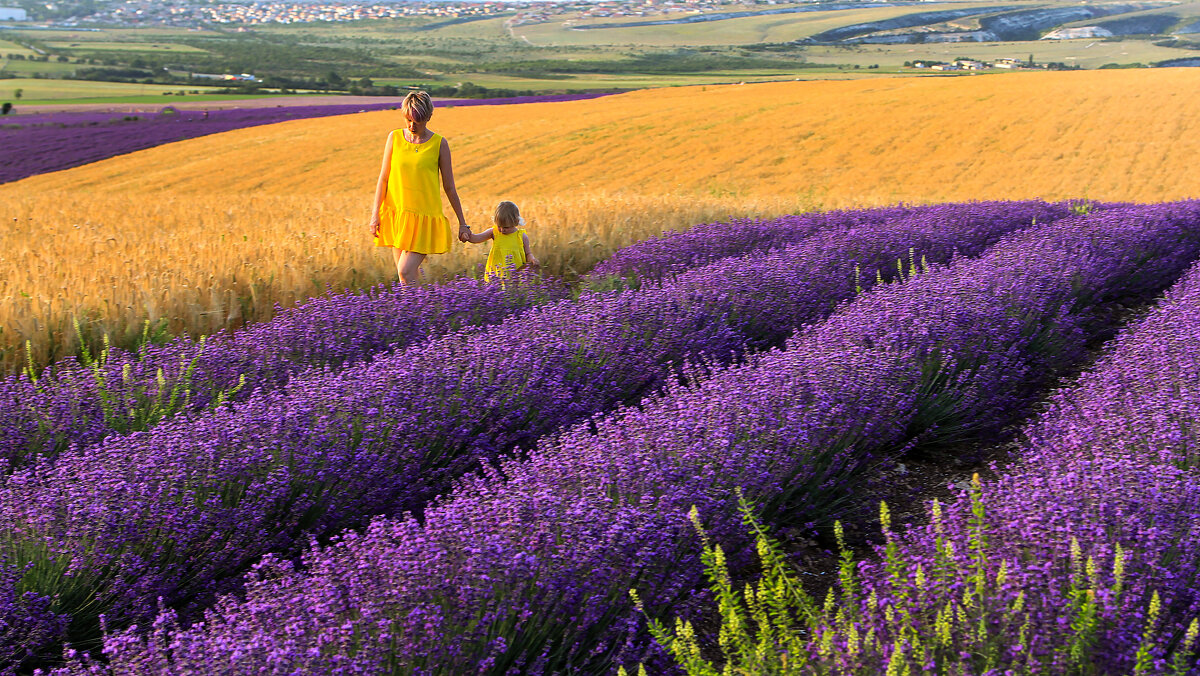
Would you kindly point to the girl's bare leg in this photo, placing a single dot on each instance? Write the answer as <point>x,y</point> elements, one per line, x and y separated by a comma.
<point>408,265</point>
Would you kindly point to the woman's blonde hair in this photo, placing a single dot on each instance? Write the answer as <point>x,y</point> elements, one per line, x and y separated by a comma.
<point>507,215</point>
<point>419,105</point>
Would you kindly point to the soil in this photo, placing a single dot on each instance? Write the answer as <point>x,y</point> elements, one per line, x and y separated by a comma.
<point>908,485</point>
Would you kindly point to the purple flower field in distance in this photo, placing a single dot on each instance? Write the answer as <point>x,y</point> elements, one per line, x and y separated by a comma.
<point>40,143</point>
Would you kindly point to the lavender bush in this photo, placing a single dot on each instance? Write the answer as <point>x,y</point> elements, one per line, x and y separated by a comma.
<point>525,567</point>
<point>179,510</point>
<point>76,403</point>
<point>44,142</point>
<point>80,402</point>
<point>661,257</point>
<point>1085,558</point>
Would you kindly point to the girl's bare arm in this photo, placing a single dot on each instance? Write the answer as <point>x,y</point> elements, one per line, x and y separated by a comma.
<point>529,259</point>
<point>381,185</point>
<point>479,238</point>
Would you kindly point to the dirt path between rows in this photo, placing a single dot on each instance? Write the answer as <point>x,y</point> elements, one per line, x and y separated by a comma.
<point>910,483</point>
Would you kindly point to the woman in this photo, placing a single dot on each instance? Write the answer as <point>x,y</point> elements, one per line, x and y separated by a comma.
<point>408,206</point>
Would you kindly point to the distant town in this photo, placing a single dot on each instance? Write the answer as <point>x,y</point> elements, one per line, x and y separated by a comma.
<point>192,13</point>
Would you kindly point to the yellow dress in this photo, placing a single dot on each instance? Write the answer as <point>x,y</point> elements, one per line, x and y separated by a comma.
<point>508,251</point>
<point>410,216</point>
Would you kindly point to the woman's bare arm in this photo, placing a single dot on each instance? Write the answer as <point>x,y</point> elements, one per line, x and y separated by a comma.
<point>381,185</point>
<point>447,169</point>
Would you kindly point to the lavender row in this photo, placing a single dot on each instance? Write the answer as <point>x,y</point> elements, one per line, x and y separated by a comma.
<point>180,510</point>
<point>525,568</point>
<point>79,404</point>
<point>661,257</point>
<point>1083,558</point>
<point>41,143</point>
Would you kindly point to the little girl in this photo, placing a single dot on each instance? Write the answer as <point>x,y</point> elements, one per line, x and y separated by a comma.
<point>510,244</point>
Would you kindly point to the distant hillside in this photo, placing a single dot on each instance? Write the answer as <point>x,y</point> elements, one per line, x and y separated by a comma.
<point>1001,23</point>
<point>906,21</point>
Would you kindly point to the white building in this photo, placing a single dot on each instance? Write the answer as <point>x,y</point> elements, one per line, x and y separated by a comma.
<point>13,14</point>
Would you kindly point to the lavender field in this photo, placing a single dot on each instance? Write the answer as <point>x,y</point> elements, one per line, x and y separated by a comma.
<point>478,488</point>
<point>43,142</point>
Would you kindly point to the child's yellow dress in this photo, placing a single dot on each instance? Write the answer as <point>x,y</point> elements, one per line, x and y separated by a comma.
<point>411,217</point>
<point>508,252</point>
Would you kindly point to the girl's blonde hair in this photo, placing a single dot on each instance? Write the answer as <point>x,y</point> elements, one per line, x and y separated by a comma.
<point>419,105</point>
<point>507,215</point>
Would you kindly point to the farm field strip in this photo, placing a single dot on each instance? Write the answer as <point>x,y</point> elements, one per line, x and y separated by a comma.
<point>52,142</point>
<point>65,91</point>
<point>187,506</point>
<point>101,46</point>
<point>1098,517</point>
<point>529,566</point>
<point>120,391</point>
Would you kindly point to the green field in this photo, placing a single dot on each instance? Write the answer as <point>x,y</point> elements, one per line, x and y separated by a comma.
<point>25,69</point>
<point>100,46</point>
<point>9,47</point>
<point>81,91</point>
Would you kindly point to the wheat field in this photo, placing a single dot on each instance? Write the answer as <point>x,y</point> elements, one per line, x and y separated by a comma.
<point>215,231</point>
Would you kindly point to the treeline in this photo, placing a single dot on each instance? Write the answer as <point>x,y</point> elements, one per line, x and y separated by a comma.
<point>282,58</point>
<point>331,82</point>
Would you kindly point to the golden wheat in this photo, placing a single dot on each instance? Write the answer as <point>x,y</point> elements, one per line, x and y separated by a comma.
<point>215,231</point>
<point>114,263</point>
<point>1110,134</point>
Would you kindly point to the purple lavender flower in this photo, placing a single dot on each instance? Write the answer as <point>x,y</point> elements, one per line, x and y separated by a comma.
<point>78,404</point>
<point>661,257</point>
<point>181,510</point>
<point>1085,552</point>
<point>525,566</point>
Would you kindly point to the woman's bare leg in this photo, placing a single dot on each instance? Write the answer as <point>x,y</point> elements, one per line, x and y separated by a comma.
<point>396,253</point>
<point>408,265</point>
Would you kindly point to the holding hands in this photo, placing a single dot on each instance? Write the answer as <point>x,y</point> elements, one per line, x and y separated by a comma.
<point>464,232</point>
